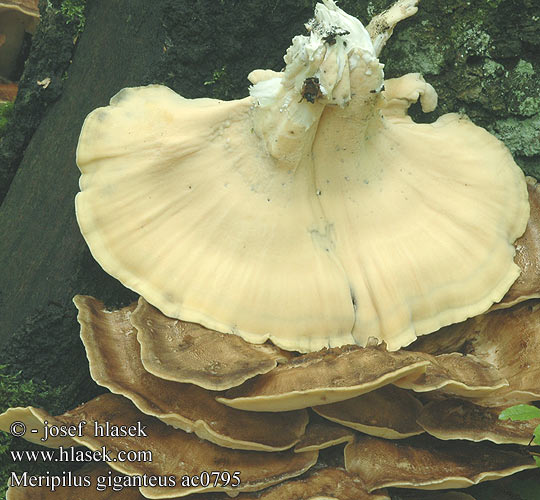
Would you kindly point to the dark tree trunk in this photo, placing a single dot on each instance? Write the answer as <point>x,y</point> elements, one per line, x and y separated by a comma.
<point>44,258</point>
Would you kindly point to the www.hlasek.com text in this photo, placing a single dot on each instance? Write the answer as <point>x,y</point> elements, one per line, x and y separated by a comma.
<point>73,454</point>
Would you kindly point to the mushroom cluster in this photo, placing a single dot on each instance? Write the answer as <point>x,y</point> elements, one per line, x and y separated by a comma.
<point>289,248</point>
<point>309,218</point>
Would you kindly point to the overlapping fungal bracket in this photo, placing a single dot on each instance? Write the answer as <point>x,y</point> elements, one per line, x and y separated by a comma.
<point>507,339</point>
<point>388,412</point>
<point>460,419</point>
<point>467,359</point>
<point>176,350</point>
<point>425,463</point>
<point>527,285</point>
<point>393,413</point>
<point>312,213</point>
<point>114,355</point>
<point>324,377</point>
<point>322,433</point>
<point>456,374</point>
<point>375,256</point>
<point>176,453</point>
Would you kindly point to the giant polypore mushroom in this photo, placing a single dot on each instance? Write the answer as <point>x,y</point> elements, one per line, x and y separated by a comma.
<point>17,17</point>
<point>314,212</point>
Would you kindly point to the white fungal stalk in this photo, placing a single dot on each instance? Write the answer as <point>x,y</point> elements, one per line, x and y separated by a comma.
<point>332,65</point>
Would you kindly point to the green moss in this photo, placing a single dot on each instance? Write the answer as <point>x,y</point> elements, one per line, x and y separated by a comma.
<point>6,110</point>
<point>74,12</point>
<point>222,83</point>
<point>16,391</point>
<point>54,376</point>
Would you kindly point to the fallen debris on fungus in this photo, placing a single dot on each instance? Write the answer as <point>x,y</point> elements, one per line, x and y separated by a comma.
<point>314,212</point>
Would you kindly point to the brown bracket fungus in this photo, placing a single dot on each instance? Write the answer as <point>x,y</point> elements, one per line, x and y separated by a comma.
<point>314,212</point>
<point>173,453</point>
<point>187,352</point>
<point>508,339</point>
<point>93,473</point>
<point>425,463</point>
<point>324,377</point>
<point>388,412</point>
<point>527,286</point>
<point>32,418</point>
<point>17,17</point>
<point>316,215</point>
<point>115,362</point>
<point>457,419</point>
<point>456,374</point>
<point>325,484</point>
<point>321,433</point>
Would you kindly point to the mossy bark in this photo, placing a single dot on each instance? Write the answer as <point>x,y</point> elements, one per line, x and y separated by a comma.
<point>482,56</point>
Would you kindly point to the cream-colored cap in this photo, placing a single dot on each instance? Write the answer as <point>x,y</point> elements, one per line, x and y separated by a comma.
<point>313,213</point>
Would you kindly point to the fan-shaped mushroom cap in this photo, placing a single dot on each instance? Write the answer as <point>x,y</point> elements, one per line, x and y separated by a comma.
<point>323,377</point>
<point>388,412</point>
<point>31,418</point>
<point>426,463</point>
<point>509,339</point>
<point>175,452</point>
<point>187,352</point>
<point>456,374</point>
<point>527,286</point>
<point>114,356</point>
<point>16,18</point>
<point>321,433</point>
<point>324,484</point>
<point>313,213</point>
<point>457,419</point>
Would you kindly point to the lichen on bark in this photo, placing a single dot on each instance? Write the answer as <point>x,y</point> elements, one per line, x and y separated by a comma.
<point>482,57</point>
